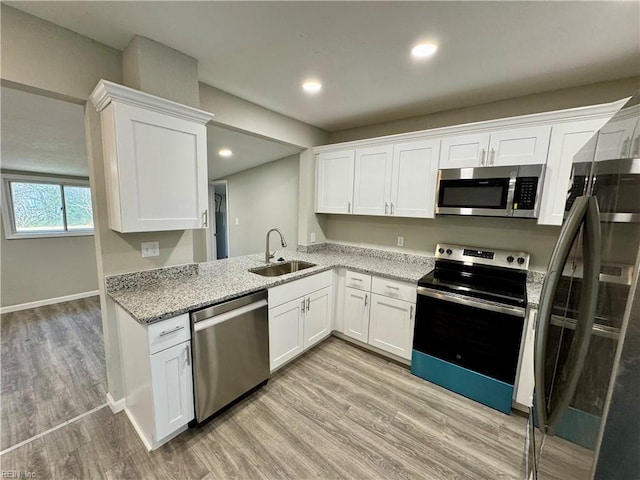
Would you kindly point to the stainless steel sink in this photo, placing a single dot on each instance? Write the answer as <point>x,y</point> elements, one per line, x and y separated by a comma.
<point>282,268</point>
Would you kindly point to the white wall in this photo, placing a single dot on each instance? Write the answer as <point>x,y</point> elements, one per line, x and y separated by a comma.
<point>262,198</point>
<point>34,269</point>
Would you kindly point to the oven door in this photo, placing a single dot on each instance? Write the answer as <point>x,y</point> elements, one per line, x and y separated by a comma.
<point>472,334</point>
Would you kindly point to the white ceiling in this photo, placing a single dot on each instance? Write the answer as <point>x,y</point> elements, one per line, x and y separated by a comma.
<point>42,135</point>
<point>248,151</point>
<point>261,51</point>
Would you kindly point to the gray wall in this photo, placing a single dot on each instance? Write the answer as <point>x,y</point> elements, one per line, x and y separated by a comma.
<point>262,198</point>
<point>34,269</point>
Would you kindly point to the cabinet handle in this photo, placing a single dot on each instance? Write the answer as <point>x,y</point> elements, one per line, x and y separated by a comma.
<point>624,147</point>
<point>167,332</point>
<point>391,208</point>
<point>302,307</point>
<point>386,207</point>
<point>348,207</point>
<point>492,156</point>
<point>392,287</point>
<point>482,155</point>
<point>411,312</point>
<point>188,351</point>
<point>366,298</point>
<point>308,304</point>
<point>356,279</point>
<point>206,218</point>
<point>636,146</point>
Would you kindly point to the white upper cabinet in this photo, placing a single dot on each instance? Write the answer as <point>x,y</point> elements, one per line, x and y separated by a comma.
<point>372,181</point>
<point>155,154</point>
<point>618,139</point>
<point>334,182</point>
<point>413,181</point>
<point>567,140</point>
<point>518,146</point>
<point>462,151</point>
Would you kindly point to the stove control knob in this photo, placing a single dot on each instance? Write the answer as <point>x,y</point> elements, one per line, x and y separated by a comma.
<point>510,259</point>
<point>441,251</point>
<point>449,251</point>
<point>520,260</point>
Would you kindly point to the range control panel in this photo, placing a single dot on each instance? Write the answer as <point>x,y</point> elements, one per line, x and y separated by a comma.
<point>484,256</point>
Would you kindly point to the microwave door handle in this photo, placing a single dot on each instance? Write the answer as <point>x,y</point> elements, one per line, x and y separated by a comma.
<point>549,289</point>
<point>586,312</point>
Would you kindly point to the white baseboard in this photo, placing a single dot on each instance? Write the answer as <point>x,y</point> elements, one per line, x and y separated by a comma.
<point>48,301</point>
<point>115,405</point>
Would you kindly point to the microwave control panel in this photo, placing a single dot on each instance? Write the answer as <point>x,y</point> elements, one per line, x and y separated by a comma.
<point>524,197</point>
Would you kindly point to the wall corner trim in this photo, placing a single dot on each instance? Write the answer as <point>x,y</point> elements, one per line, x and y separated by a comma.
<point>115,405</point>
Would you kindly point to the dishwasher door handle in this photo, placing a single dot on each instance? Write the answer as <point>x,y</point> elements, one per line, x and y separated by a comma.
<point>228,315</point>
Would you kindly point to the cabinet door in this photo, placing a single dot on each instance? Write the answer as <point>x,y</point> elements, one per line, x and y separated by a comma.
<point>464,151</point>
<point>158,165</point>
<point>526,379</point>
<point>391,325</point>
<point>519,146</point>
<point>172,385</point>
<point>616,139</point>
<point>566,140</point>
<point>285,332</point>
<point>414,177</point>
<point>372,180</point>
<point>356,314</point>
<point>317,316</point>
<point>334,184</point>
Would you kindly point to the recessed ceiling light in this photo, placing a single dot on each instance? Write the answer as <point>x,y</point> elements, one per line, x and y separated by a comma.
<point>312,86</point>
<point>424,50</point>
<point>225,152</point>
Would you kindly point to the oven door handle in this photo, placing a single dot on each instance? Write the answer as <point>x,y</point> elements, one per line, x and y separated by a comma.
<point>470,302</point>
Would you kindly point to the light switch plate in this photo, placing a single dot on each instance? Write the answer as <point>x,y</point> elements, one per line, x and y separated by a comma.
<point>150,249</point>
<point>401,241</point>
<point>313,237</point>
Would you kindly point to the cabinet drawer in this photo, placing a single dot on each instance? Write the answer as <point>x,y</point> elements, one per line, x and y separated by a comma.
<point>394,289</point>
<point>167,333</point>
<point>361,281</point>
<point>299,288</point>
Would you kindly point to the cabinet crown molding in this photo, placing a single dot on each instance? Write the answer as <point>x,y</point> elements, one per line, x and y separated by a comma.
<point>107,92</point>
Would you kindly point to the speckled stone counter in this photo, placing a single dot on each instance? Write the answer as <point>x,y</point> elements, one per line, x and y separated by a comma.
<point>154,295</point>
<point>534,288</point>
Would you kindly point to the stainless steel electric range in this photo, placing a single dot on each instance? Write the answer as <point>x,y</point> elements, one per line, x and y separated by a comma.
<point>469,322</point>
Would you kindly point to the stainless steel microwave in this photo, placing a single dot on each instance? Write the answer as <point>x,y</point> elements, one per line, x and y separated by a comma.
<point>512,191</point>
<point>615,182</point>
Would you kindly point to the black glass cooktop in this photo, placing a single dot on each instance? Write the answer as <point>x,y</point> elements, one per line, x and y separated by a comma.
<point>502,285</point>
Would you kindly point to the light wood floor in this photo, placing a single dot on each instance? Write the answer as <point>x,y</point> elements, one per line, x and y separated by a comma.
<point>336,412</point>
<point>53,367</point>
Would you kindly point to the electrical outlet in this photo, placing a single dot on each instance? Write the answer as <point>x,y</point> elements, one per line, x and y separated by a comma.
<point>313,237</point>
<point>150,249</point>
<point>401,241</point>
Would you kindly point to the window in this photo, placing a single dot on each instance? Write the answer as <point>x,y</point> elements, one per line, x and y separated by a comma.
<point>46,206</point>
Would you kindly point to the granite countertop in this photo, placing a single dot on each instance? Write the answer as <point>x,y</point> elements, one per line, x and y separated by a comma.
<point>158,294</point>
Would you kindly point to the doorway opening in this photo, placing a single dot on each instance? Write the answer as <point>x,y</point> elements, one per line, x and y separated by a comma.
<point>218,193</point>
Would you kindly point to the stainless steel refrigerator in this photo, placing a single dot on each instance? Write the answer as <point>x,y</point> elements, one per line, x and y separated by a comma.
<point>585,421</point>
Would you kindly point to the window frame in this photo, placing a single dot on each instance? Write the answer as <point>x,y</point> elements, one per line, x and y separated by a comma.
<point>8,217</point>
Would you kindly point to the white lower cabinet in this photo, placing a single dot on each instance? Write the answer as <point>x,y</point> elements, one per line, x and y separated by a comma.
<point>172,379</point>
<point>526,378</point>
<point>379,312</point>
<point>391,325</point>
<point>158,379</point>
<point>300,315</point>
<point>356,314</point>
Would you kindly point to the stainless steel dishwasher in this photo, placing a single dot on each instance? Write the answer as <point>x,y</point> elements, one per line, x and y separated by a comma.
<point>230,343</point>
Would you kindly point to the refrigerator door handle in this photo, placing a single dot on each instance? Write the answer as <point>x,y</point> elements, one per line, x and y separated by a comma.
<point>592,242</point>
<point>554,272</point>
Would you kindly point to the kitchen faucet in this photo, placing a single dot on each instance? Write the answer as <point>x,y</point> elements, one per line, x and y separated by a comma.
<point>267,255</point>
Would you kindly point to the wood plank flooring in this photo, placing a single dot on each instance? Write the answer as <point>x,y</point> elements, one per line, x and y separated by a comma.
<point>336,412</point>
<point>53,367</point>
